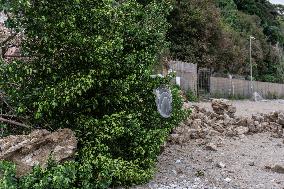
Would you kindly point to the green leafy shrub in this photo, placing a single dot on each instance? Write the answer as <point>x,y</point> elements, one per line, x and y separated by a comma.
<point>191,96</point>
<point>7,175</point>
<point>272,95</point>
<point>53,176</point>
<point>90,71</point>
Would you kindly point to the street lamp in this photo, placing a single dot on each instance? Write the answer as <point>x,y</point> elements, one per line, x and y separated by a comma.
<point>250,60</point>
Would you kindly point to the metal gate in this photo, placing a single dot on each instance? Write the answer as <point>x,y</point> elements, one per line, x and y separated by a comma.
<point>203,81</point>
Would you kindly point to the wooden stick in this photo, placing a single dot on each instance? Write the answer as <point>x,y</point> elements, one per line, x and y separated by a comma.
<point>13,122</point>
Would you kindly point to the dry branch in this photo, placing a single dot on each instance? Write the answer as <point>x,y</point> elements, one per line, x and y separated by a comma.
<point>13,122</point>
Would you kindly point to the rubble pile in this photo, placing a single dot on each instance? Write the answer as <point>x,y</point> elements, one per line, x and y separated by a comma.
<point>223,122</point>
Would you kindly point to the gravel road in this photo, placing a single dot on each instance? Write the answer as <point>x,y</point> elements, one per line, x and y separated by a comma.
<point>247,108</point>
<point>242,162</point>
<point>238,163</point>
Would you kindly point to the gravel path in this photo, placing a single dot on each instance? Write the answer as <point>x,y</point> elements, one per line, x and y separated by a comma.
<point>247,108</point>
<point>245,162</point>
<point>237,163</point>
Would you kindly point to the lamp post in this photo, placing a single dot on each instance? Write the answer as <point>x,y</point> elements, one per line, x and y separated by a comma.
<point>250,60</point>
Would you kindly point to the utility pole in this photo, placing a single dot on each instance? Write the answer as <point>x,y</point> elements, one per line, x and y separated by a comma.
<point>250,60</point>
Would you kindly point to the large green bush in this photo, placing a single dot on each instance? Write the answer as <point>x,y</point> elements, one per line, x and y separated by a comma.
<point>89,69</point>
<point>54,176</point>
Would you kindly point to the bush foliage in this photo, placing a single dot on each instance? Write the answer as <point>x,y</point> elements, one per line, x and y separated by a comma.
<point>215,34</point>
<point>89,70</point>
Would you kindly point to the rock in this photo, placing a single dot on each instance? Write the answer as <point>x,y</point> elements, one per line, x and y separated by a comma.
<point>211,147</point>
<point>259,127</point>
<point>252,128</point>
<point>256,123</point>
<point>203,133</point>
<point>258,117</point>
<point>242,136</point>
<point>174,171</point>
<point>249,121</point>
<point>273,117</point>
<point>219,106</point>
<point>240,121</point>
<point>197,123</point>
<point>231,110</point>
<point>228,179</point>
<point>221,165</point>
<point>174,138</point>
<point>27,151</point>
<point>251,163</point>
<point>192,134</point>
<point>281,119</point>
<point>276,168</point>
<point>222,106</point>
<point>218,127</point>
<point>213,132</point>
<point>227,120</point>
<point>230,132</point>
<point>178,161</point>
<point>264,126</point>
<point>274,127</point>
<point>242,130</point>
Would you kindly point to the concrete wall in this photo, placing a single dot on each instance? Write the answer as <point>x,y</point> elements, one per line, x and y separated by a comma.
<point>234,87</point>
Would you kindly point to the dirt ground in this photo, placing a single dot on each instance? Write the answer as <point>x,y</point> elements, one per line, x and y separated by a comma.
<point>242,162</point>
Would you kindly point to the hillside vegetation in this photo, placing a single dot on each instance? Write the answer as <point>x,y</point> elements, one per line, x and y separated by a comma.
<point>215,34</point>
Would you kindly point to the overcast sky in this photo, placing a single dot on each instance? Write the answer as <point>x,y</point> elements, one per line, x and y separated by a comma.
<point>277,1</point>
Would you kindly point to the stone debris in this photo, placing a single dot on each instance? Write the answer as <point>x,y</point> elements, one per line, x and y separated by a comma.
<point>211,147</point>
<point>251,163</point>
<point>203,124</point>
<point>228,179</point>
<point>27,151</point>
<point>276,168</point>
<point>221,165</point>
<point>223,106</point>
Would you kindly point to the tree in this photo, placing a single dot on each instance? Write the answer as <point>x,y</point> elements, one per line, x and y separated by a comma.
<point>199,34</point>
<point>195,32</point>
<point>266,12</point>
<point>90,71</point>
<point>215,34</point>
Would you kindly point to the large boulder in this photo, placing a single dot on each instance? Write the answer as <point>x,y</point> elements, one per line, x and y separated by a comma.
<point>26,151</point>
